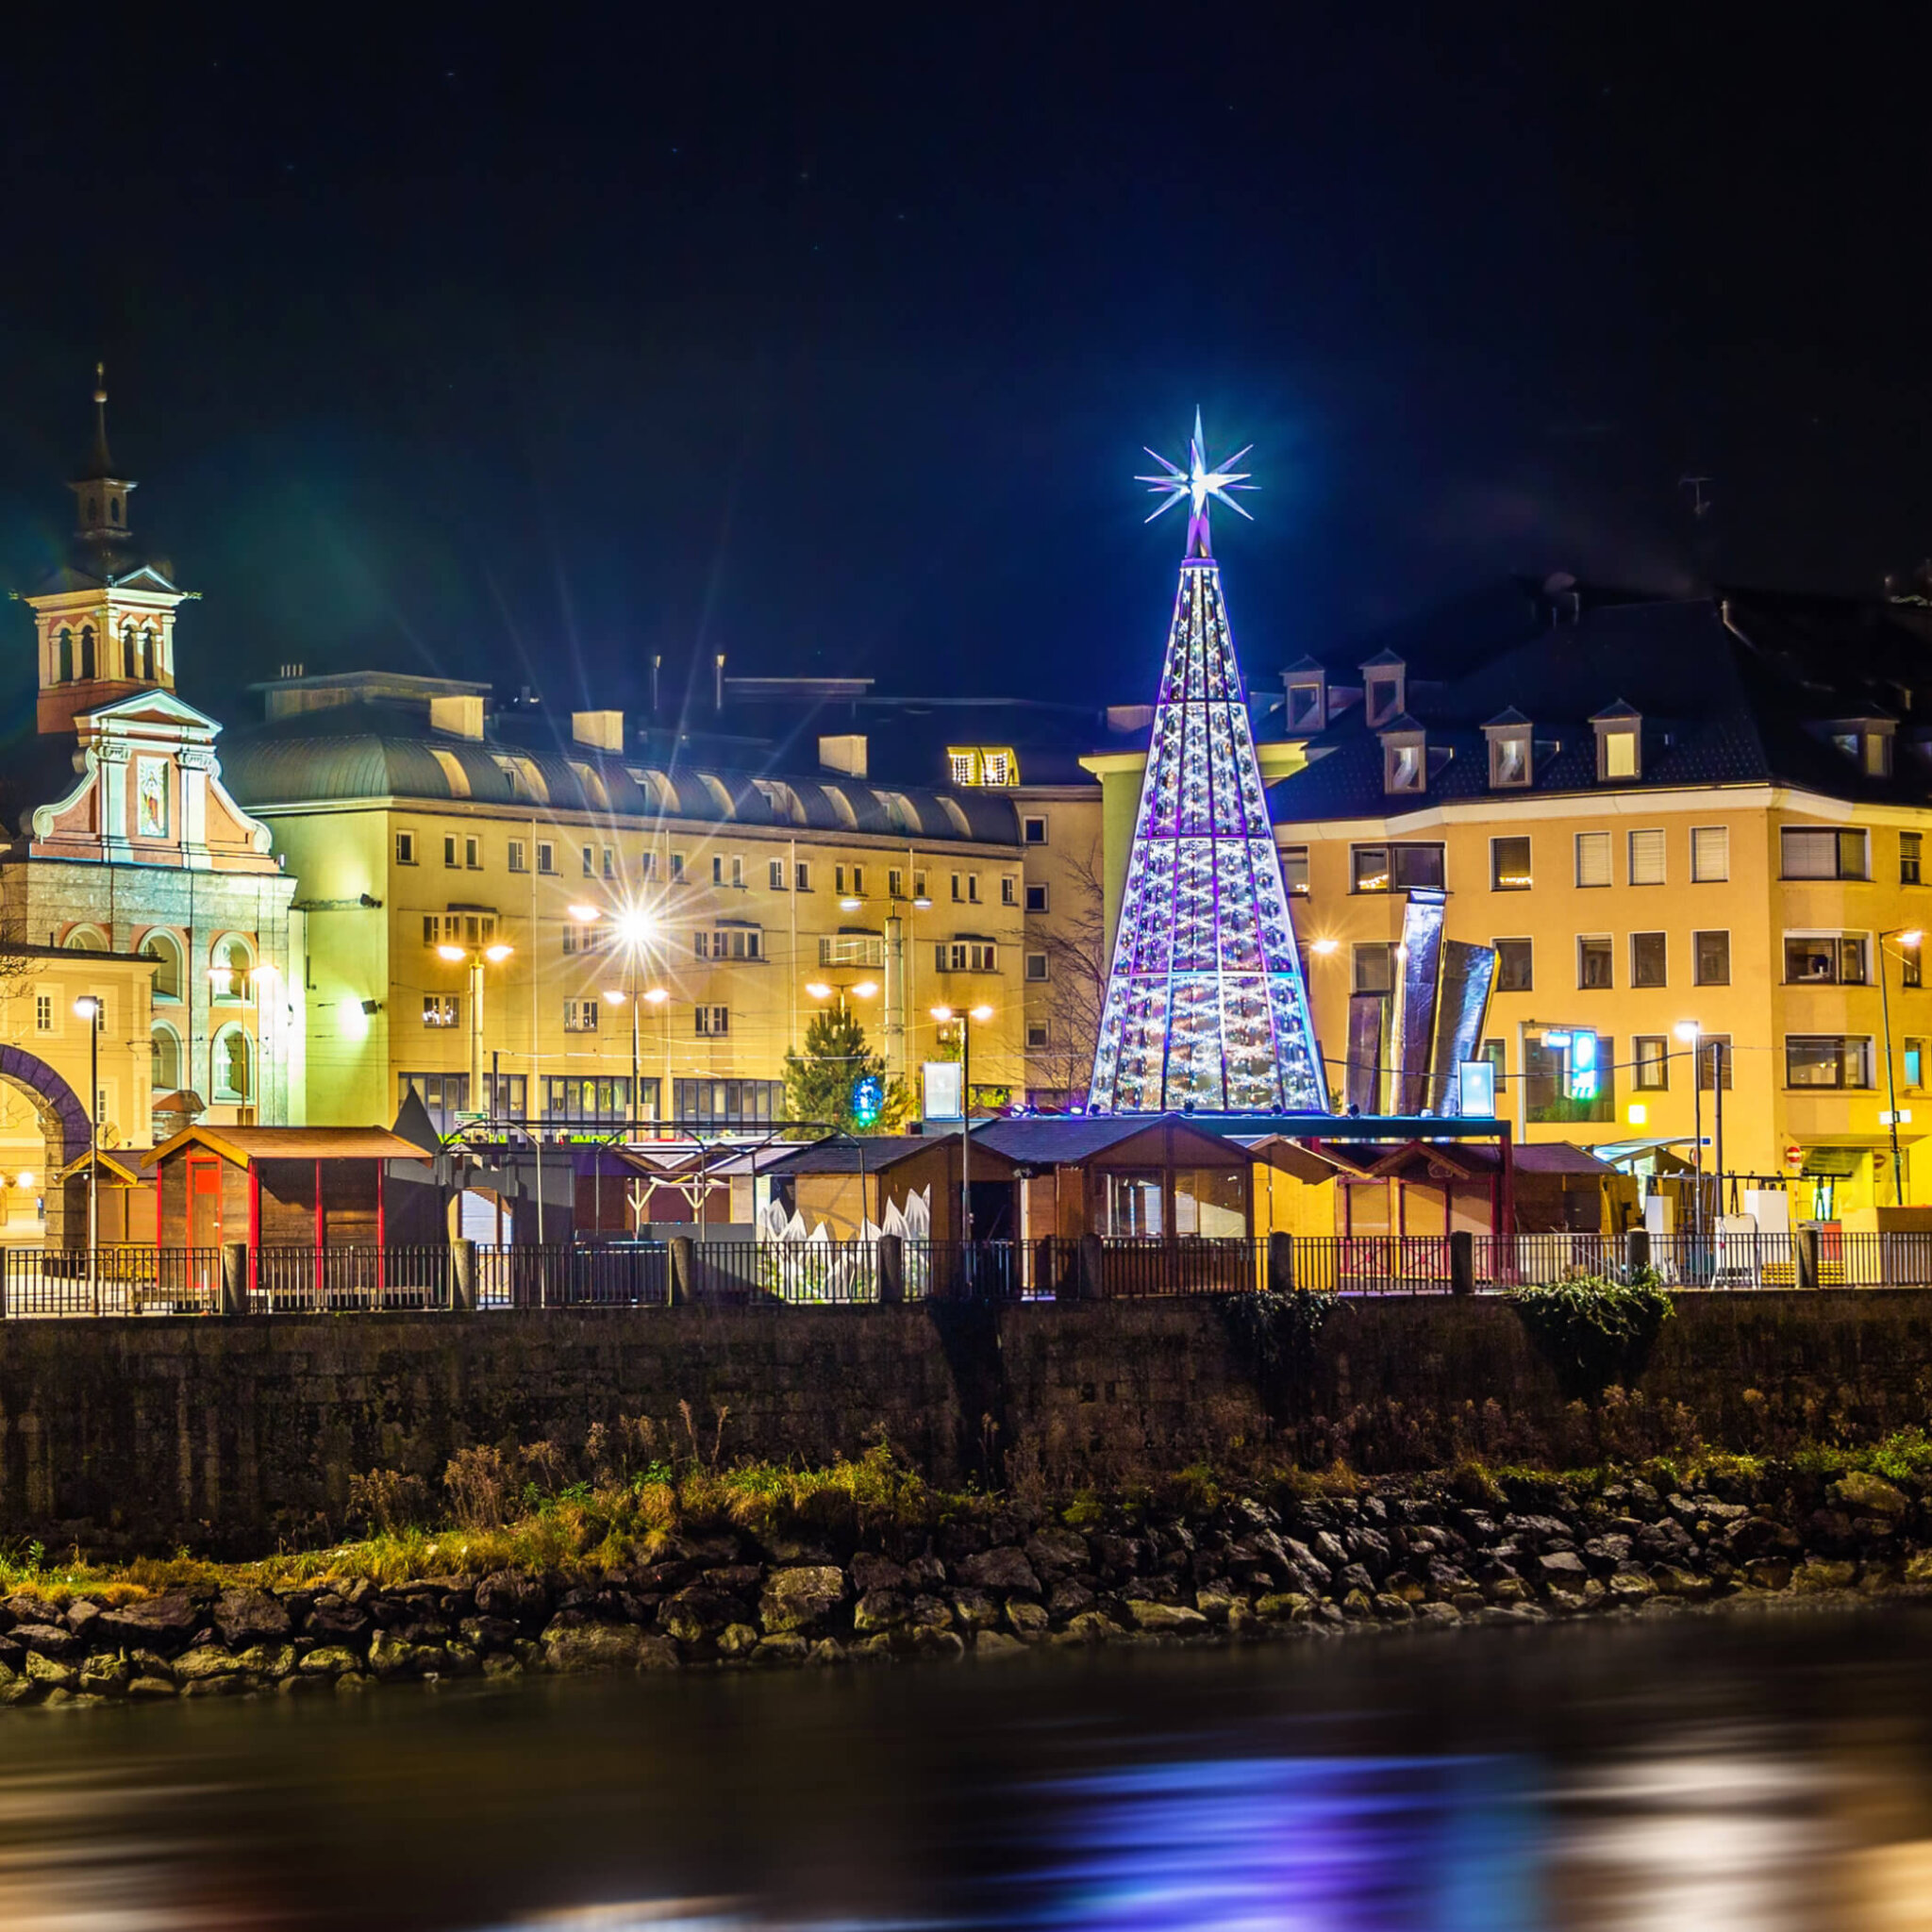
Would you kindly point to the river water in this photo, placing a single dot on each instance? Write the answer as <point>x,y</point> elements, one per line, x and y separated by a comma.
<point>1768,1771</point>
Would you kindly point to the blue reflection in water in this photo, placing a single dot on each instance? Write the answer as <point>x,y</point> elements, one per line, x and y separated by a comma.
<point>1298,1844</point>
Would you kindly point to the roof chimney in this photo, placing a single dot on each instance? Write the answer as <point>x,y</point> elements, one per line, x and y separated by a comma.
<point>600,730</point>
<point>844,755</point>
<point>461,717</point>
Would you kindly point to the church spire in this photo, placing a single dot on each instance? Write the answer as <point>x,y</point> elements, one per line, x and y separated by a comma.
<point>100,490</point>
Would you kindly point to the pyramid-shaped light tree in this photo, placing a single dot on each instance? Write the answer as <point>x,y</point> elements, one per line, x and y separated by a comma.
<point>1205,1006</point>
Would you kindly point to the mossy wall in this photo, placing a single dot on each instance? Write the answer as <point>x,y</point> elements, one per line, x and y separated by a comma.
<point>228,1434</point>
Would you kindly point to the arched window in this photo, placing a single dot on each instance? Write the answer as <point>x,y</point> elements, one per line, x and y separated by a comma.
<point>113,509</point>
<point>165,950</point>
<point>147,655</point>
<point>93,510</point>
<point>127,651</point>
<point>233,1057</point>
<point>86,938</point>
<point>165,1045</point>
<point>64,673</point>
<point>232,971</point>
<point>87,650</point>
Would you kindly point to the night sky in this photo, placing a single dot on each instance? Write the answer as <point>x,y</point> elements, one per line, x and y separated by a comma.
<point>830,343</point>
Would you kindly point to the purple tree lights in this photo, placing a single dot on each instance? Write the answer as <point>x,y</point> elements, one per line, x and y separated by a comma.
<point>1204,1003</point>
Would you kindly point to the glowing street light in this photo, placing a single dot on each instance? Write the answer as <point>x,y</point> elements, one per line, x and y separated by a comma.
<point>1326,946</point>
<point>973,1016</point>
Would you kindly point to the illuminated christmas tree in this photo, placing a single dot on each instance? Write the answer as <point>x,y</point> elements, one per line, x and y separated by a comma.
<point>1205,1002</point>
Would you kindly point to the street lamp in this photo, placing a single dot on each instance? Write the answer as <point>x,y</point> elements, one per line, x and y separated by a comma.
<point>1691,1033</point>
<point>945,1015</point>
<point>87,1007</point>
<point>477,957</point>
<point>635,929</point>
<point>1908,938</point>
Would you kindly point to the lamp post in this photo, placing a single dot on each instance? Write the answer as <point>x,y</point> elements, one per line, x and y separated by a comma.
<point>87,1007</point>
<point>477,957</point>
<point>944,1015</point>
<point>1691,1033</point>
<point>1909,937</point>
<point>635,929</point>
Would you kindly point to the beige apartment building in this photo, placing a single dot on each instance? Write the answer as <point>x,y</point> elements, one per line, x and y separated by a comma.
<point>582,875</point>
<point>1693,834</point>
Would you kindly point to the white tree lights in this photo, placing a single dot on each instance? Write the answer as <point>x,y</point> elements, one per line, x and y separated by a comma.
<point>1204,1003</point>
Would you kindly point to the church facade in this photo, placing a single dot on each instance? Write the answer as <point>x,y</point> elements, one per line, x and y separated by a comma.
<point>123,842</point>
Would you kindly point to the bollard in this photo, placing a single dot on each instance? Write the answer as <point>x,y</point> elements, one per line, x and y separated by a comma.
<point>462,1277</point>
<point>1093,1269</point>
<point>1806,1250</point>
<point>891,1253</point>
<point>234,1277</point>
<point>1281,1264</point>
<point>1639,1250</point>
<point>1461,1261</point>
<point>684,1261</point>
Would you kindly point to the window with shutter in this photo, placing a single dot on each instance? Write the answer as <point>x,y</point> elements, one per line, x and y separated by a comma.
<point>1710,853</point>
<point>1646,859</point>
<point>1813,853</point>
<point>1592,859</point>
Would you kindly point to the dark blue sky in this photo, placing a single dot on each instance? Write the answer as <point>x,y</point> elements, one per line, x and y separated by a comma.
<point>831,341</point>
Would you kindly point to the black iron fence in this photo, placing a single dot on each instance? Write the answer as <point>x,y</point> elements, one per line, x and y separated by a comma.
<point>129,1280</point>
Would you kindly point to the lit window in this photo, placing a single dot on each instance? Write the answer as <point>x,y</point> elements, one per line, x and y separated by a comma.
<point>1650,1053</point>
<point>1647,858</point>
<point>1294,870</point>
<point>1509,870</point>
<point>442,1010</point>
<point>1592,859</point>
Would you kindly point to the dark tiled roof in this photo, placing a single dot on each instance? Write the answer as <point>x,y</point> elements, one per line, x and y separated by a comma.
<point>1064,1138</point>
<point>367,750</point>
<point>1730,691</point>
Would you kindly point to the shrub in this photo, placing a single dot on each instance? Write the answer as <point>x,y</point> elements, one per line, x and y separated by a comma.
<point>1592,1331</point>
<point>388,1500</point>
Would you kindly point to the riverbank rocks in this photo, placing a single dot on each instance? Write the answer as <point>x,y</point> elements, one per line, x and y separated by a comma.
<point>1402,1555</point>
<point>800,1597</point>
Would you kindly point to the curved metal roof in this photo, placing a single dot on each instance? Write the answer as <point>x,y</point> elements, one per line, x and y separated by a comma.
<point>360,751</point>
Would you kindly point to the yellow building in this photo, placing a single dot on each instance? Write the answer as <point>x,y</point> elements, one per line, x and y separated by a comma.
<point>68,1019</point>
<point>420,826</point>
<point>1693,835</point>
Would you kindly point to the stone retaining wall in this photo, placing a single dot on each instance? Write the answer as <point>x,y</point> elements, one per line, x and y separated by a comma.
<point>231,1434</point>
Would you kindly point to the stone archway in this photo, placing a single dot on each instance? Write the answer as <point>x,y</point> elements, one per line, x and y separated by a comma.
<point>63,1122</point>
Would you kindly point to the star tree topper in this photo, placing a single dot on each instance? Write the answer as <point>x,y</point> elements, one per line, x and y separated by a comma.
<point>1197,485</point>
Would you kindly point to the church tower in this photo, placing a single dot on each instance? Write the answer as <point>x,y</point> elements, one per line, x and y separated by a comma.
<point>105,619</point>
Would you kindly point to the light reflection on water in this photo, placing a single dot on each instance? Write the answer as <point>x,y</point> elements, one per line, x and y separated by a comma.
<point>1772,1775</point>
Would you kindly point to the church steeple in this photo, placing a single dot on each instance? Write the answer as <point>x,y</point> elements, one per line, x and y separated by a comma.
<point>105,618</point>
<point>100,490</point>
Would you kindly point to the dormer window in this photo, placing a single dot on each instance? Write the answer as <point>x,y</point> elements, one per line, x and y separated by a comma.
<point>1405,758</point>
<point>1306,684</point>
<point>1512,753</point>
<point>1867,741</point>
<point>1619,743</point>
<point>1385,686</point>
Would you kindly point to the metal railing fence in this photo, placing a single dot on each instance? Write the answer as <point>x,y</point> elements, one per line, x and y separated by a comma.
<point>137,1280</point>
<point>112,1280</point>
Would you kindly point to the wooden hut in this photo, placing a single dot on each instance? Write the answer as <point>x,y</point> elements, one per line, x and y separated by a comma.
<point>1122,1177</point>
<point>125,1201</point>
<point>291,1187</point>
<point>844,1182</point>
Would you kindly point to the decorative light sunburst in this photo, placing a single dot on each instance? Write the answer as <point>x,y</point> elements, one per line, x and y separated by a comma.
<point>1197,486</point>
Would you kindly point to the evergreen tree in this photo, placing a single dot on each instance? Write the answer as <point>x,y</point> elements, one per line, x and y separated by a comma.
<point>819,1082</point>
